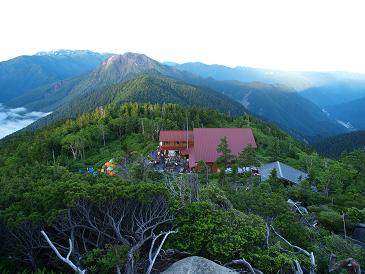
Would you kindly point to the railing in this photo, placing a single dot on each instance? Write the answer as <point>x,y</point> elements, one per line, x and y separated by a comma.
<point>175,145</point>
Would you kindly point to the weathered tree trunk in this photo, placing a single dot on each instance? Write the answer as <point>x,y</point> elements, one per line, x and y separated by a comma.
<point>350,264</point>
<point>66,259</point>
<point>118,269</point>
<point>103,133</point>
<point>297,269</point>
<point>129,267</point>
<point>152,255</point>
<point>344,225</point>
<point>312,268</point>
<point>53,156</point>
<point>74,151</point>
<point>246,264</point>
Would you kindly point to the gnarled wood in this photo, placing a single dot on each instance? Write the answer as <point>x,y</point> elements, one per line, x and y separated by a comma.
<point>349,264</point>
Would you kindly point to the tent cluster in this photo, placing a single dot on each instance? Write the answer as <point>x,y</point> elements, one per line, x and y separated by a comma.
<point>114,168</point>
<point>89,170</point>
<point>109,168</point>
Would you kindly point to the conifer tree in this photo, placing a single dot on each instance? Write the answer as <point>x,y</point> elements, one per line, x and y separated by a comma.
<point>225,157</point>
<point>248,157</point>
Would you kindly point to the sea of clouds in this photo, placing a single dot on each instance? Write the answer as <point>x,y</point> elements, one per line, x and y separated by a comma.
<point>14,119</point>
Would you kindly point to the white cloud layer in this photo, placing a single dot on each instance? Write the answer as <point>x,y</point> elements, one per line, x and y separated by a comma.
<point>14,119</point>
<point>280,34</point>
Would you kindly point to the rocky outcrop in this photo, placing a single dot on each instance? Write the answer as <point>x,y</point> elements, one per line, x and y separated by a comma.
<point>197,265</point>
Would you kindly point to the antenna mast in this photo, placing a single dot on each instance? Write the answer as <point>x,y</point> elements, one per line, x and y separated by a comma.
<point>187,132</point>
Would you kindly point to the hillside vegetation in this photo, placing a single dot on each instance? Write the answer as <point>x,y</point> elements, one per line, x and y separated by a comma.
<point>113,222</point>
<point>352,112</point>
<point>344,143</point>
<point>115,69</point>
<point>145,88</point>
<point>280,105</point>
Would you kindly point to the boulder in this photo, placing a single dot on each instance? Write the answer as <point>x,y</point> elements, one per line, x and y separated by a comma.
<point>197,265</point>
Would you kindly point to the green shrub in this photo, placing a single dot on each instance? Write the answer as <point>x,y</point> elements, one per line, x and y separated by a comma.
<point>104,261</point>
<point>217,234</point>
<point>331,220</point>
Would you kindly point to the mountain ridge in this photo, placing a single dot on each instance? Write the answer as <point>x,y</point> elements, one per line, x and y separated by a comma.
<point>145,88</point>
<point>274,102</point>
<point>24,73</point>
<point>115,69</point>
<point>352,112</point>
<point>318,87</point>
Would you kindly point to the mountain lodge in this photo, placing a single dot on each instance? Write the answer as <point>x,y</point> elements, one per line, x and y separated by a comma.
<point>200,144</point>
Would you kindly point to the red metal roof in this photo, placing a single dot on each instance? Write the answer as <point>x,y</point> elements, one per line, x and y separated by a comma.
<point>206,141</point>
<point>175,135</point>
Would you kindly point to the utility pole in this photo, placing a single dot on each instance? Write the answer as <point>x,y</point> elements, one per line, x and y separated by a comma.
<point>187,132</point>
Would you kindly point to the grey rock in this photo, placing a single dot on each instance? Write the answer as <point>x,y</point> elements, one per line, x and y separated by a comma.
<point>197,265</point>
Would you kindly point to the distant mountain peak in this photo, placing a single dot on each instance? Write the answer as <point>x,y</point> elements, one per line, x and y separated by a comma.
<point>130,59</point>
<point>122,65</point>
<point>63,52</point>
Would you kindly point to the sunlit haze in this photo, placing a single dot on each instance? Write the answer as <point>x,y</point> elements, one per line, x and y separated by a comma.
<point>283,34</point>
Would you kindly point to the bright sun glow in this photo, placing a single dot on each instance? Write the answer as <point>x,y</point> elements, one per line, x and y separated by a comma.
<point>281,34</point>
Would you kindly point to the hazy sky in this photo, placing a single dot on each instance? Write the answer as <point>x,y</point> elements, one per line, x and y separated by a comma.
<point>281,34</point>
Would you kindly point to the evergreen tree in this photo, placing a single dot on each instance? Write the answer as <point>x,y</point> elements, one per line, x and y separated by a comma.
<point>226,156</point>
<point>248,157</point>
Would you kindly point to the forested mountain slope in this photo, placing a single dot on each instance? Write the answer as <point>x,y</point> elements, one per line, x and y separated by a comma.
<point>322,88</point>
<point>275,103</point>
<point>352,112</point>
<point>116,69</point>
<point>344,143</point>
<point>222,217</point>
<point>280,105</point>
<point>145,88</point>
<point>24,73</point>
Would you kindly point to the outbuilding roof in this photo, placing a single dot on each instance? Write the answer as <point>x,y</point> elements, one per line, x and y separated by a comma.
<point>283,172</point>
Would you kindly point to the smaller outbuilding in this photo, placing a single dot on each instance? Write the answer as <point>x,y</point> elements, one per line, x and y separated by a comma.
<point>359,233</point>
<point>283,171</point>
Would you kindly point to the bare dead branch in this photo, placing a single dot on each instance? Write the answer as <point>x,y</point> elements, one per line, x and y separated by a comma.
<point>152,255</point>
<point>297,269</point>
<point>305,252</point>
<point>246,264</point>
<point>267,235</point>
<point>67,259</point>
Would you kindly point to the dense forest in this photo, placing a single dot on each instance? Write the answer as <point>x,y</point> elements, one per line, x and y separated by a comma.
<point>55,219</point>
<point>336,145</point>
